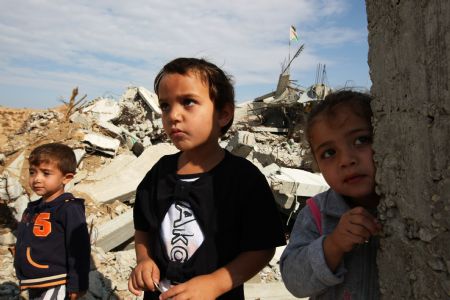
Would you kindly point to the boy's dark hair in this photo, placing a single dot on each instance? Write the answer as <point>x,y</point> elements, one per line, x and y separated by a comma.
<point>62,155</point>
<point>220,84</point>
<point>358,102</point>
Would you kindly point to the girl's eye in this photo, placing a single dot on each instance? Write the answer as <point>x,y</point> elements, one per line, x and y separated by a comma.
<point>164,107</point>
<point>31,172</point>
<point>363,140</point>
<point>188,102</point>
<point>328,153</point>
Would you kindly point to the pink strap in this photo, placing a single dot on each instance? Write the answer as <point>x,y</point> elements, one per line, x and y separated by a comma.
<point>316,213</point>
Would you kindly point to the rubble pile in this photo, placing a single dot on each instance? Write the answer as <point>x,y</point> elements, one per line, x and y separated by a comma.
<point>116,143</point>
<point>140,115</point>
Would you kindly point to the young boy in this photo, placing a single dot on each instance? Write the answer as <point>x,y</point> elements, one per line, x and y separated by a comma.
<point>53,247</point>
<point>340,261</point>
<point>205,220</point>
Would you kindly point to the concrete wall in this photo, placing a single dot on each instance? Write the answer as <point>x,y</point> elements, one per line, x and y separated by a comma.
<point>409,59</point>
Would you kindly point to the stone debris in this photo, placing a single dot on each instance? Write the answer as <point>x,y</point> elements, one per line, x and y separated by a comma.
<point>102,110</point>
<point>97,142</point>
<point>115,232</point>
<point>116,143</point>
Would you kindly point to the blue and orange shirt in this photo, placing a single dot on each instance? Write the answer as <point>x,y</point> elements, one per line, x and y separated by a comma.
<point>53,245</point>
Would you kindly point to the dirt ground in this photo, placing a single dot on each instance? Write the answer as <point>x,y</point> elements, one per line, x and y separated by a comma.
<point>13,124</point>
<point>11,121</point>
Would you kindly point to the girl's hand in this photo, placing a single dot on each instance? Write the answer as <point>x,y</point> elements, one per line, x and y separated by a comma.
<point>355,227</point>
<point>142,277</point>
<point>198,288</point>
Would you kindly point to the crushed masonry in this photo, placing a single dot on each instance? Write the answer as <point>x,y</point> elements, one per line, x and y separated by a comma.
<point>117,142</point>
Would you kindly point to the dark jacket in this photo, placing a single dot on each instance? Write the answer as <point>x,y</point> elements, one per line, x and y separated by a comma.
<point>53,245</point>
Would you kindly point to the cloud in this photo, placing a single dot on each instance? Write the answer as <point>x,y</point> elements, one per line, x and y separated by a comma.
<point>57,44</point>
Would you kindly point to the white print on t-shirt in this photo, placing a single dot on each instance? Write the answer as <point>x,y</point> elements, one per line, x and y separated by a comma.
<point>180,232</point>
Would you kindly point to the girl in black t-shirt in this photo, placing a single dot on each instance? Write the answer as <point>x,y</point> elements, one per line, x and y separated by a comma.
<point>205,220</point>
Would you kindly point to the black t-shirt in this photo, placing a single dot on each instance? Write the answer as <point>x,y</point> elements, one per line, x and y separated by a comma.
<point>234,207</point>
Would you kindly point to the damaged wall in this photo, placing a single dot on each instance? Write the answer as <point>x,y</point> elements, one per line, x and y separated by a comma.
<point>409,55</point>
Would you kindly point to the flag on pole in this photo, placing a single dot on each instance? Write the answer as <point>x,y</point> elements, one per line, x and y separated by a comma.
<point>293,34</point>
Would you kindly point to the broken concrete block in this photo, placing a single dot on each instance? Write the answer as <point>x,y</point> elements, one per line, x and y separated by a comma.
<point>242,143</point>
<point>271,169</point>
<point>10,187</point>
<point>101,143</point>
<point>298,182</point>
<point>79,176</point>
<point>79,154</point>
<point>146,142</point>
<point>287,184</point>
<point>122,183</point>
<point>82,119</point>
<point>268,154</point>
<point>15,168</point>
<point>112,129</point>
<point>115,232</point>
<point>110,170</point>
<point>18,206</point>
<point>284,201</point>
<point>103,109</point>
<point>151,99</point>
<point>269,129</point>
<point>130,138</point>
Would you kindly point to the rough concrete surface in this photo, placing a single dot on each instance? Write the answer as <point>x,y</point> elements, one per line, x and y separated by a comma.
<point>409,59</point>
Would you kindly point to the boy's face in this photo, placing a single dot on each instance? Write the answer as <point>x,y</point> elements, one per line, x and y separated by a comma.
<point>342,147</point>
<point>47,180</point>
<point>188,113</point>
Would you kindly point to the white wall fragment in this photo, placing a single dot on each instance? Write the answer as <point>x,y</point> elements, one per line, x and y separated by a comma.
<point>101,143</point>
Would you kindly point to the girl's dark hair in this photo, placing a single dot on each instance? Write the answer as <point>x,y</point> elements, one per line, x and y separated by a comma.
<point>62,155</point>
<point>358,102</point>
<point>220,84</point>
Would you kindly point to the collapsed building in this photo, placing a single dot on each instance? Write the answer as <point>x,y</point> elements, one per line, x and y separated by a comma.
<point>117,142</point>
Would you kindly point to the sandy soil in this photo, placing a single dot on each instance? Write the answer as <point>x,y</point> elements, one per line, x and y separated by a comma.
<point>12,120</point>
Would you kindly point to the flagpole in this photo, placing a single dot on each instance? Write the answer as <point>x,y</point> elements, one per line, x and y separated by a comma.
<point>289,56</point>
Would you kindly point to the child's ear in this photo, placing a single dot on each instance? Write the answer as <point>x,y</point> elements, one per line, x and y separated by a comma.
<point>226,114</point>
<point>68,177</point>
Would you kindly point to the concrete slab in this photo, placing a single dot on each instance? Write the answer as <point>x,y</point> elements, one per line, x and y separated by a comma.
<point>267,291</point>
<point>15,167</point>
<point>151,99</point>
<point>84,120</point>
<point>79,154</point>
<point>115,232</point>
<point>309,184</point>
<point>101,143</point>
<point>298,182</point>
<point>10,187</point>
<point>103,109</point>
<point>269,129</point>
<point>242,143</point>
<point>110,128</point>
<point>122,186</point>
<point>118,163</point>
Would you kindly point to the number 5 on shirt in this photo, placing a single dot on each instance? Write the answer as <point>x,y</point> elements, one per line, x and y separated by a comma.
<point>42,227</point>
